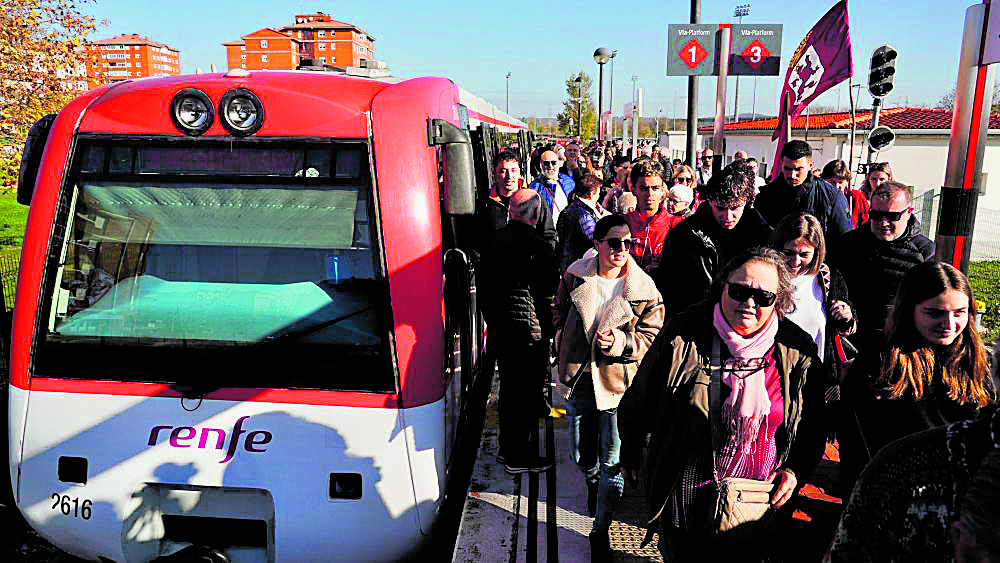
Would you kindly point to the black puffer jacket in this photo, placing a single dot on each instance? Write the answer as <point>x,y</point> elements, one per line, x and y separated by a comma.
<point>873,269</point>
<point>697,248</point>
<point>518,279</point>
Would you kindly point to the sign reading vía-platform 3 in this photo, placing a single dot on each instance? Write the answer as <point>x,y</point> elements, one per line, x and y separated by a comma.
<point>693,49</point>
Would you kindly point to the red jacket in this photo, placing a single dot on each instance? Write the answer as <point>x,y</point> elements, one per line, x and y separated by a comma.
<point>859,205</point>
<point>648,234</point>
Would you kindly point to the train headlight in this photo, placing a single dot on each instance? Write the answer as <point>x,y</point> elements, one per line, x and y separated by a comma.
<point>241,112</point>
<point>192,112</point>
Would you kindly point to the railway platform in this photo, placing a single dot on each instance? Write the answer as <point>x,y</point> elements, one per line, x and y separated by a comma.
<point>542,517</point>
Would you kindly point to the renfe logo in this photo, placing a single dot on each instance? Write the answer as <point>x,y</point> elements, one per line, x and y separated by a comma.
<point>182,434</point>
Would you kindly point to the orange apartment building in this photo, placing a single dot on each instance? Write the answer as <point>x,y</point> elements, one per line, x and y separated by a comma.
<point>312,36</point>
<point>130,56</point>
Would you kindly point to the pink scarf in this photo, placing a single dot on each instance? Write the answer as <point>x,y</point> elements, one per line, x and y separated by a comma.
<point>747,405</point>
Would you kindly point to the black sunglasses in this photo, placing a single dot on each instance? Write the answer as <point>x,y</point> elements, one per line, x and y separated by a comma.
<point>892,216</point>
<point>617,244</point>
<point>743,293</point>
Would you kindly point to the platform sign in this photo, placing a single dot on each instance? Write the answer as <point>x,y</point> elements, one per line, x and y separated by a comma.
<point>756,49</point>
<point>691,49</point>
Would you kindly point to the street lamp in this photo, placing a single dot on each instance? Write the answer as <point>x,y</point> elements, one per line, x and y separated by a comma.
<point>738,12</point>
<point>611,93</point>
<point>656,136</point>
<point>601,56</point>
<point>579,108</point>
<point>508,92</point>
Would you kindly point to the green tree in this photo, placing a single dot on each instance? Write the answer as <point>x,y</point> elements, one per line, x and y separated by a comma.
<point>42,58</point>
<point>578,101</point>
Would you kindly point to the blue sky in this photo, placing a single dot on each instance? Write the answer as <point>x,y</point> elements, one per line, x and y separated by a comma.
<point>541,42</point>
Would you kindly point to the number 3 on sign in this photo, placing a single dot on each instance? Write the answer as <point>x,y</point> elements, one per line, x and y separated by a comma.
<point>755,54</point>
<point>72,506</point>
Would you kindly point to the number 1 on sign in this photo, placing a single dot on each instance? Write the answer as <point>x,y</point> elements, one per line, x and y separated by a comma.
<point>694,54</point>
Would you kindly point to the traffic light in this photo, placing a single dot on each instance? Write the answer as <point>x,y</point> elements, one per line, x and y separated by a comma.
<point>881,138</point>
<point>882,71</point>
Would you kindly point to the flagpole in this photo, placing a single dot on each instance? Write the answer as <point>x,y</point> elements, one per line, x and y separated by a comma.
<point>854,124</point>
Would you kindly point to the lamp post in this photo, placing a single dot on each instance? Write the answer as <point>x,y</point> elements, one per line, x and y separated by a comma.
<point>601,56</point>
<point>656,135</point>
<point>738,12</point>
<point>611,93</point>
<point>508,92</point>
<point>579,108</point>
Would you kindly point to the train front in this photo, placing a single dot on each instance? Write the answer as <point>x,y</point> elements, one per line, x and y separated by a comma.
<point>205,353</point>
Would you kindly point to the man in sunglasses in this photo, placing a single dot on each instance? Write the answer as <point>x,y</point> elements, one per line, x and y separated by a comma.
<point>704,167</point>
<point>797,190</point>
<point>554,186</point>
<point>758,181</point>
<point>874,257</point>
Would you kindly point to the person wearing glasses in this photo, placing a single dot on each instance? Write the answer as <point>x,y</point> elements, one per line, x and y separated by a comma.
<point>606,313</point>
<point>724,225</point>
<point>704,165</point>
<point>768,425</point>
<point>932,369</point>
<point>684,177</point>
<point>874,257</point>
<point>651,221</point>
<point>554,187</point>
<point>492,211</point>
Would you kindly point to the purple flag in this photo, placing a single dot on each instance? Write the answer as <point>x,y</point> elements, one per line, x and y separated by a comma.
<point>822,60</point>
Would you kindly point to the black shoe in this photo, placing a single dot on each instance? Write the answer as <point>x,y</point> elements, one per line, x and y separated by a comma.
<point>530,465</point>
<point>592,498</point>
<point>600,547</point>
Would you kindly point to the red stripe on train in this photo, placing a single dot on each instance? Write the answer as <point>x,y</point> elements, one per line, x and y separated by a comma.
<point>285,396</point>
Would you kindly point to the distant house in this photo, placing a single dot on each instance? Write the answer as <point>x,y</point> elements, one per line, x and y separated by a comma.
<point>130,56</point>
<point>316,37</point>
<point>918,157</point>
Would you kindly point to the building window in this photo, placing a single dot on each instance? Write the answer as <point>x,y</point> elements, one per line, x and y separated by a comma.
<point>322,46</point>
<point>138,65</point>
<point>263,43</point>
<point>322,60</point>
<point>333,60</point>
<point>322,33</point>
<point>243,47</point>
<point>244,57</point>
<point>138,55</point>
<point>263,58</point>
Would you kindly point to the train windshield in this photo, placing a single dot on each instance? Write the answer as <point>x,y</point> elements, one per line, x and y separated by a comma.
<point>209,265</point>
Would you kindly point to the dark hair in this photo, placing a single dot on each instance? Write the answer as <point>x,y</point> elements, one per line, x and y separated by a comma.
<point>607,223</point>
<point>801,225</point>
<point>880,167</point>
<point>677,161</point>
<point>796,149</point>
<point>909,365</point>
<point>587,186</point>
<point>645,167</point>
<point>504,156</point>
<point>786,291</point>
<point>837,171</point>
<point>750,159</point>
<point>618,161</point>
<point>731,185</point>
<point>889,190</point>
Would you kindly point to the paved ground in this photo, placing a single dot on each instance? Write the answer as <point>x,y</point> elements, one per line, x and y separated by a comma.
<point>542,517</point>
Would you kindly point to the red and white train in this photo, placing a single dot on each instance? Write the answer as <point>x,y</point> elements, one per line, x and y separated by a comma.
<point>242,319</point>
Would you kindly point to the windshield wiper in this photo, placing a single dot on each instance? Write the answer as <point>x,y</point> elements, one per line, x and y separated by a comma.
<point>300,332</point>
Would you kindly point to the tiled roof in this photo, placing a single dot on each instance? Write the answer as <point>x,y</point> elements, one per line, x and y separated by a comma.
<point>332,24</point>
<point>896,118</point>
<point>131,39</point>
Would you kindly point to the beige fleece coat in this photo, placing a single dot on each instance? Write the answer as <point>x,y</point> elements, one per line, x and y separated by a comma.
<point>634,318</point>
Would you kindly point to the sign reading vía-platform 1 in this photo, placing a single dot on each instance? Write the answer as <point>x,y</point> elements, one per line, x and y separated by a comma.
<point>692,49</point>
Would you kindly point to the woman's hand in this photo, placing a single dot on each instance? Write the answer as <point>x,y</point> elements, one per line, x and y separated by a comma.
<point>605,340</point>
<point>786,481</point>
<point>841,312</point>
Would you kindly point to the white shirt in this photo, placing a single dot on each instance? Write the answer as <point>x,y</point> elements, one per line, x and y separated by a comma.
<point>809,313</point>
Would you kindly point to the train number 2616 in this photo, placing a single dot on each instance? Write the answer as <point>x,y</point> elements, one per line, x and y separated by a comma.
<point>72,506</point>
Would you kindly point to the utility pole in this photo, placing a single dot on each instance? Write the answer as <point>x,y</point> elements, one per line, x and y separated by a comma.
<point>508,92</point>
<point>692,122</point>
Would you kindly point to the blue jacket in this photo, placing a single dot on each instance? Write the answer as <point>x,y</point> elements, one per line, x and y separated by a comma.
<point>565,182</point>
<point>818,198</point>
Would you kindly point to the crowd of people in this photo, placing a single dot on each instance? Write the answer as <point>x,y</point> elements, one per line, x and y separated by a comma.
<point>711,329</point>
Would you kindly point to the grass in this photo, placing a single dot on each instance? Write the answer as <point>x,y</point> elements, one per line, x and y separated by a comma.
<point>13,216</point>
<point>984,277</point>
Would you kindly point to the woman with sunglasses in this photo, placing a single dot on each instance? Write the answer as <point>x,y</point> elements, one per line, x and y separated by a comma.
<point>931,371</point>
<point>768,425</point>
<point>607,312</point>
<point>684,176</point>
<point>822,307</point>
